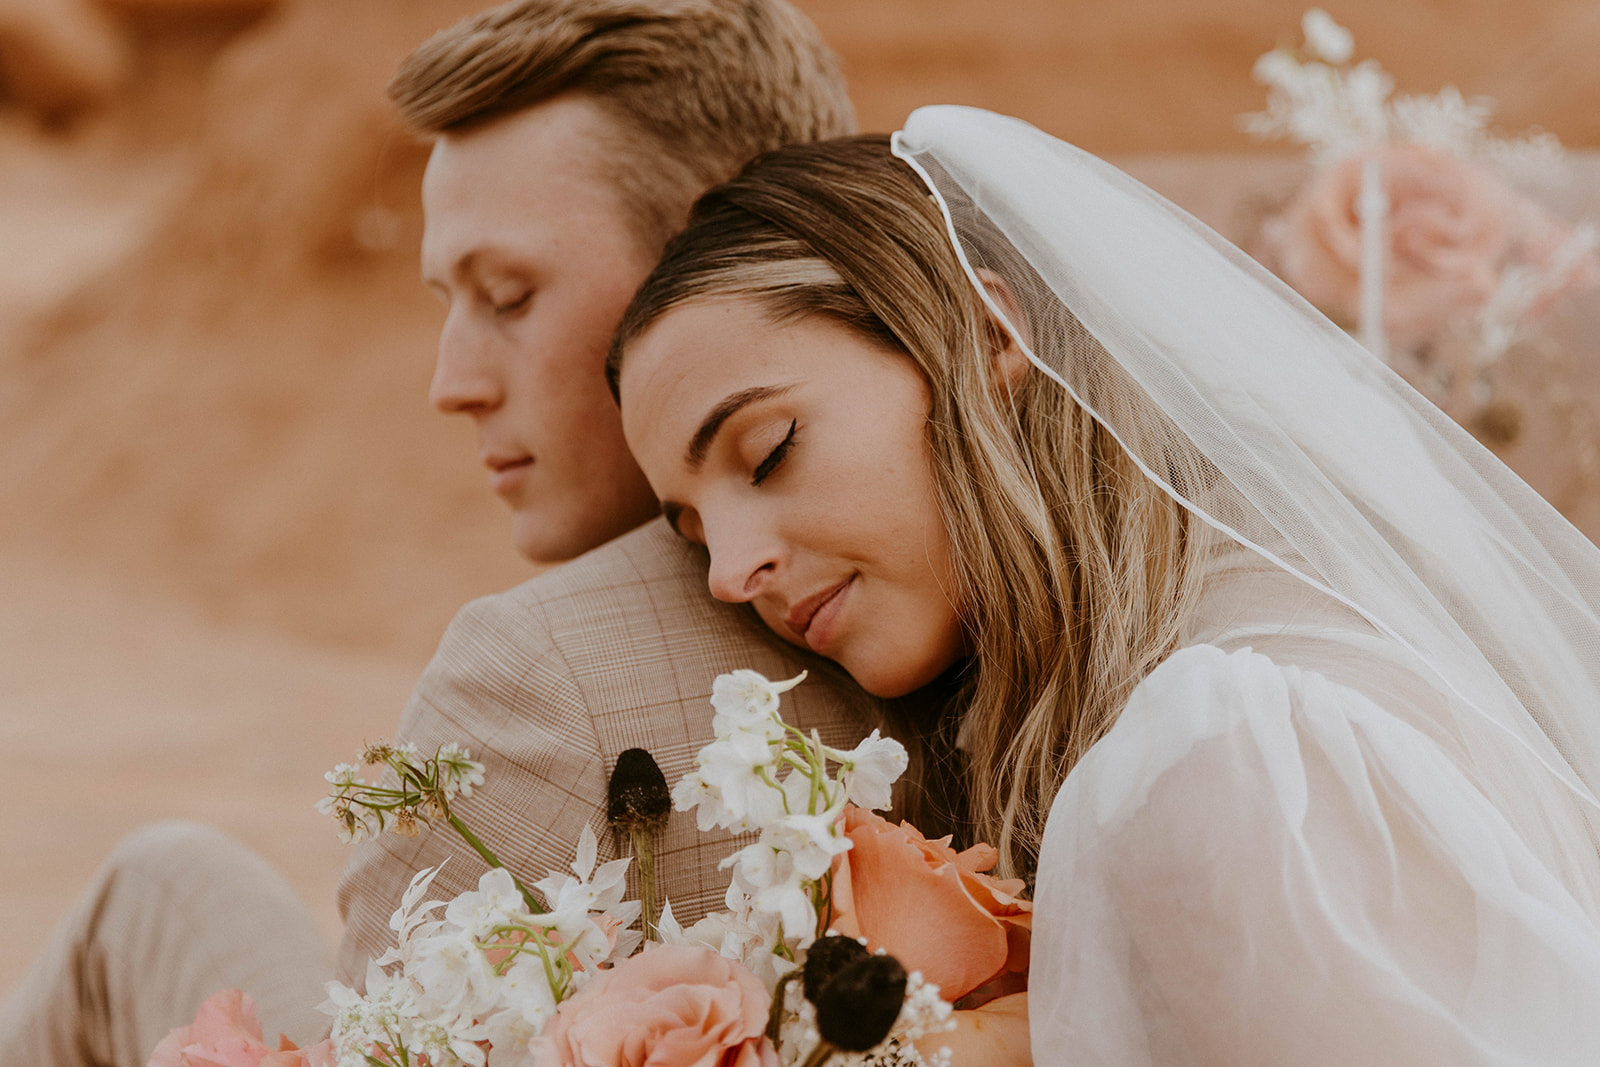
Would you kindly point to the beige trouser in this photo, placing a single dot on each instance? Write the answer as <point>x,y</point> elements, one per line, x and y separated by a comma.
<point>177,912</point>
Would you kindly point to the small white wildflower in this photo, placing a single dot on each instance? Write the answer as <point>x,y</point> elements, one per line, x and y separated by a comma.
<point>459,772</point>
<point>344,774</point>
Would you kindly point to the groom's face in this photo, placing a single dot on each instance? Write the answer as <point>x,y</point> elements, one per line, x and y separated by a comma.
<point>533,252</point>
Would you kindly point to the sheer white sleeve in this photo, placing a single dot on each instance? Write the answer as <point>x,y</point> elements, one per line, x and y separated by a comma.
<point>1259,865</point>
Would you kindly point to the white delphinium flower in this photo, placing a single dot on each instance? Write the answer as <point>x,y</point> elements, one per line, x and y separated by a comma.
<point>869,770</point>
<point>743,699</point>
<point>455,976</point>
<point>510,1032</point>
<point>773,885</point>
<point>734,785</point>
<point>812,842</point>
<point>480,913</point>
<point>1326,39</point>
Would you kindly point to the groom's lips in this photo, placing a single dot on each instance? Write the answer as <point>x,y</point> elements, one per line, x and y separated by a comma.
<point>813,617</point>
<point>506,469</point>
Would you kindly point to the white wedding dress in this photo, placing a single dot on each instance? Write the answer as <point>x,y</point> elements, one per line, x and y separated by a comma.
<point>1288,851</point>
<point>1353,819</point>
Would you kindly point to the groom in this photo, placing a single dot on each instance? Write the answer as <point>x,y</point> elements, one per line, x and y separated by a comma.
<point>570,137</point>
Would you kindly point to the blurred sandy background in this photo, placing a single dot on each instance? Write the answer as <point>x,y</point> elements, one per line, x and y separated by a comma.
<point>231,530</point>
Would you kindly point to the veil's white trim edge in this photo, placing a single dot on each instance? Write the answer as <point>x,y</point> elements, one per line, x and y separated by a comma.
<point>1562,774</point>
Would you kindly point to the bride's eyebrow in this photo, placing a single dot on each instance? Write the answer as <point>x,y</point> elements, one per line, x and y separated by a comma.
<point>700,444</point>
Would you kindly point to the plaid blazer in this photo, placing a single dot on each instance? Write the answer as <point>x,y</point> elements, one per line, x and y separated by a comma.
<point>546,684</point>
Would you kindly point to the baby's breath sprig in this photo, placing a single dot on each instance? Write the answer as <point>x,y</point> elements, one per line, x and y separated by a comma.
<point>421,795</point>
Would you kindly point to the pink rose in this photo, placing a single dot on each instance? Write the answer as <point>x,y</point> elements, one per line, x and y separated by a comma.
<point>226,1033</point>
<point>1452,225</point>
<point>931,907</point>
<point>669,1006</point>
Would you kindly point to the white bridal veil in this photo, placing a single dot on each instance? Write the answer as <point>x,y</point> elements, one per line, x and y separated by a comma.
<point>1416,878</point>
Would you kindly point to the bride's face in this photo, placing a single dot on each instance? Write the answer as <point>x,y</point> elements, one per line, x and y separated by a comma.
<point>797,455</point>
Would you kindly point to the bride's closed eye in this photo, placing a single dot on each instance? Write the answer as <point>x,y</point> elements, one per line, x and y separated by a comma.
<point>774,458</point>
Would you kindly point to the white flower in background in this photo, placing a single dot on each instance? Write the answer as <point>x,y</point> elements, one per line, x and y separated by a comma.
<point>869,770</point>
<point>1326,39</point>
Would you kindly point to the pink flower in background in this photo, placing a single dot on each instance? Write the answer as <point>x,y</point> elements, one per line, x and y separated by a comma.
<point>931,907</point>
<point>669,1005</point>
<point>226,1033</point>
<point>1453,227</point>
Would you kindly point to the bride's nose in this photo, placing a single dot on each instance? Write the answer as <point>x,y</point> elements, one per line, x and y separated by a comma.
<point>744,561</point>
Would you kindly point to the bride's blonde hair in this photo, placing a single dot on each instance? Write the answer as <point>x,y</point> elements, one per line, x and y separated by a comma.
<point>1073,569</point>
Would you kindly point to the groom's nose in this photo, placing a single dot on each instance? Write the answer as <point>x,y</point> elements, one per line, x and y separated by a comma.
<point>466,377</point>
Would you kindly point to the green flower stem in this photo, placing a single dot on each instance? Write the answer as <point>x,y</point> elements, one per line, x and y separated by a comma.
<point>489,857</point>
<point>820,1055</point>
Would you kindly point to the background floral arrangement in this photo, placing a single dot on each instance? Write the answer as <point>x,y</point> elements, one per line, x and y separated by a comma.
<point>1414,227</point>
<point>845,938</point>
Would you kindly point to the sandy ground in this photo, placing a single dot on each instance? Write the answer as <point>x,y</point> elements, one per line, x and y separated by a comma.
<point>230,531</point>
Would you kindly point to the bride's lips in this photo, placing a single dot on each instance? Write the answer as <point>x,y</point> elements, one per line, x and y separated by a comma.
<point>506,470</point>
<point>815,617</point>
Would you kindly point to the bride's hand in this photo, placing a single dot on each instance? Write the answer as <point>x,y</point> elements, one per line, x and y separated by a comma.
<point>995,1035</point>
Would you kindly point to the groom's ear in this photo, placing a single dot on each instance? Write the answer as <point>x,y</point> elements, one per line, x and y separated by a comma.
<point>1007,361</point>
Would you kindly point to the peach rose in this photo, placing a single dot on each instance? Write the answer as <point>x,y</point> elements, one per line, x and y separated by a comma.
<point>670,1005</point>
<point>1452,225</point>
<point>930,906</point>
<point>226,1033</point>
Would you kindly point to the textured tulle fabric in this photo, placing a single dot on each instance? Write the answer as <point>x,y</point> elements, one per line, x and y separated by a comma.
<point>1353,819</point>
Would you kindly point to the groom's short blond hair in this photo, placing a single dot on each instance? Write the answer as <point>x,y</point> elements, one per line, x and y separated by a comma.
<point>697,87</point>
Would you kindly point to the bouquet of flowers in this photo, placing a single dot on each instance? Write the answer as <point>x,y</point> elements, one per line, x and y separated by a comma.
<point>1412,229</point>
<point>824,953</point>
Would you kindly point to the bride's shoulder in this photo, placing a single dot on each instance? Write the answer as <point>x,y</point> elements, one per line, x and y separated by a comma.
<point>1194,713</point>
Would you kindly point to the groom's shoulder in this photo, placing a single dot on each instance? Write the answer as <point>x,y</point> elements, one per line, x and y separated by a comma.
<point>648,562</point>
<point>628,629</point>
<point>640,593</point>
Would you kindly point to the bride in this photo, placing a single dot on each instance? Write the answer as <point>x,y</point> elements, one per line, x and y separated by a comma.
<point>1284,693</point>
